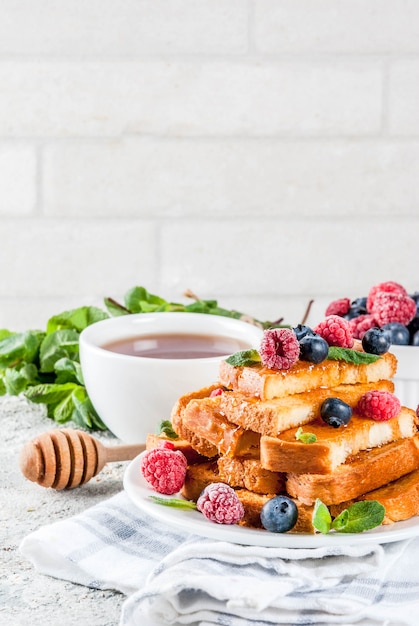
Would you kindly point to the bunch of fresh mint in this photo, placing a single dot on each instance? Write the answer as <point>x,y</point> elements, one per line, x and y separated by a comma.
<point>45,365</point>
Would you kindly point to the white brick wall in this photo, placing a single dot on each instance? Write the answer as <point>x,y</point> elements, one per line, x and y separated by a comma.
<point>260,152</point>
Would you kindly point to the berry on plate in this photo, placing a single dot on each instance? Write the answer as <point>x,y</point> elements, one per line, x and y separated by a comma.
<point>279,514</point>
<point>335,412</point>
<point>279,348</point>
<point>219,503</point>
<point>379,405</point>
<point>164,469</point>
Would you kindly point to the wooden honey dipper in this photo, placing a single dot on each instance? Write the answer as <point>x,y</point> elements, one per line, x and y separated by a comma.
<point>64,459</point>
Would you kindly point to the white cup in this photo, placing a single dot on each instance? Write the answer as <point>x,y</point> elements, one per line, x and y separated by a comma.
<point>134,394</point>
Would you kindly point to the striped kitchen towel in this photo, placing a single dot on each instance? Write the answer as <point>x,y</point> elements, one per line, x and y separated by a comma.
<point>170,577</point>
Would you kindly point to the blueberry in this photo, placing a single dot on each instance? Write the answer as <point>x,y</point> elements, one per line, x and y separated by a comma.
<point>279,514</point>
<point>415,339</point>
<point>313,348</point>
<point>398,333</point>
<point>413,328</point>
<point>302,331</point>
<point>335,412</point>
<point>376,341</point>
<point>358,307</point>
<point>415,297</point>
<point>361,302</point>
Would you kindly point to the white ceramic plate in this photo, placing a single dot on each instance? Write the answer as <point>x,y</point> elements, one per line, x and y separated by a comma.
<point>194,522</point>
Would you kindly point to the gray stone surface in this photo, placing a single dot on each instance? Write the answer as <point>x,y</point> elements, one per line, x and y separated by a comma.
<point>27,596</point>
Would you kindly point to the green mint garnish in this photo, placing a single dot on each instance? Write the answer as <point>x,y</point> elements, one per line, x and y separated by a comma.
<point>305,437</point>
<point>176,503</point>
<point>322,520</point>
<point>351,356</point>
<point>244,358</point>
<point>360,516</point>
<point>166,428</point>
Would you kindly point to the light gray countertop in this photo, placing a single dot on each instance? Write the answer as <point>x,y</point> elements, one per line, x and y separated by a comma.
<point>27,596</point>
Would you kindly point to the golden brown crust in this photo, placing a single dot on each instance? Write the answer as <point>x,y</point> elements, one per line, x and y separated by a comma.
<point>333,445</point>
<point>244,473</point>
<point>266,384</point>
<point>271,417</point>
<point>362,473</point>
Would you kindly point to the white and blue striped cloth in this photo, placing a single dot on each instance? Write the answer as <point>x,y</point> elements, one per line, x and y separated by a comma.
<point>174,578</point>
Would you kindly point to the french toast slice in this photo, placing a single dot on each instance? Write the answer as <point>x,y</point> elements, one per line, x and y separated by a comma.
<point>196,419</point>
<point>364,472</point>
<point>199,476</point>
<point>266,384</point>
<point>333,446</point>
<point>239,472</point>
<point>200,444</point>
<point>400,498</point>
<point>192,456</point>
<point>271,417</point>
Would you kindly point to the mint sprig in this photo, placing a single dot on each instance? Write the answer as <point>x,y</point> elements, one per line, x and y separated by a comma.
<point>166,428</point>
<point>177,503</point>
<point>244,358</point>
<point>357,518</point>
<point>351,356</point>
<point>305,437</point>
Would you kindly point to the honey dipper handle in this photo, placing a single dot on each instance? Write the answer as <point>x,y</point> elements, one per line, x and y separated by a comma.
<point>124,452</point>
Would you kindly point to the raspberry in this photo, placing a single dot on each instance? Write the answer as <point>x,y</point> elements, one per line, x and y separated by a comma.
<point>393,307</point>
<point>279,348</point>
<point>336,331</point>
<point>388,287</point>
<point>216,392</point>
<point>359,325</point>
<point>379,405</point>
<point>338,307</point>
<point>220,503</point>
<point>164,469</point>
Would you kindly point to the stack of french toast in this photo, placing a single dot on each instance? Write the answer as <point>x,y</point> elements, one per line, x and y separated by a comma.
<point>245,430</point>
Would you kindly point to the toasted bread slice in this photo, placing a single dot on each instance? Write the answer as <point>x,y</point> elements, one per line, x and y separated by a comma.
<point>199,422</point>
<point>199,476</point>
<point>271,417</point>
<point>248,474</point>
<point>399,498</point>
<point>263,383</point>
<point>364,472</point>
<point>201,445</point>
<point>192,456</point>
<point>333,446</point>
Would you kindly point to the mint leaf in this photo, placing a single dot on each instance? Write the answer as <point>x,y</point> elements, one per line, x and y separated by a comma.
<point>360,516</point>
<point>17,380</point>
<point>76,319</point>
<point>305,437</point>
<point>166,428</point>
<point>351,356</point>
<point>176,503</point>
<point>244,358</point>
<point>68,371</point>
<point>321,520</point>
<point>57,345</point>
<point>19,347</point>
<point>115,308</point>
<point>84,412</point>
<point>139,300</point>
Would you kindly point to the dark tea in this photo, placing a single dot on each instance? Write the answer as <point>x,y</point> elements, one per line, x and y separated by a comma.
<point>176,346</point>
